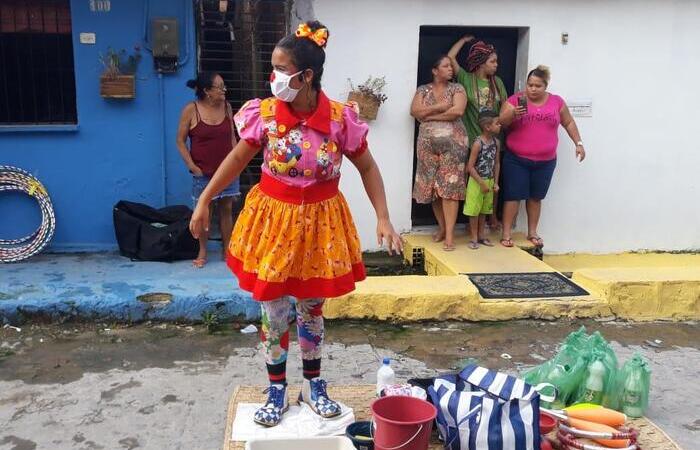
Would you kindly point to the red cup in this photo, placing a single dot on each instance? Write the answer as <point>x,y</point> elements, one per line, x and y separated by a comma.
<point>547,423</point>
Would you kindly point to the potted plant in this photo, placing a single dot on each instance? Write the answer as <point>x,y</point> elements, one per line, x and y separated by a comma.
<point>118,79</point>
<point>368,96</point>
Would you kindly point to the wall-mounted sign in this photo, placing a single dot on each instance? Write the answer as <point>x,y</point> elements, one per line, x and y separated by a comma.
<point>581,108</point>
<point>100,5</point>
<point>88,38</point>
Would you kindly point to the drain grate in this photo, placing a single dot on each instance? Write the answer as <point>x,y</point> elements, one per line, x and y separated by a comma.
<point>418,257</point>
<point>155,297</point>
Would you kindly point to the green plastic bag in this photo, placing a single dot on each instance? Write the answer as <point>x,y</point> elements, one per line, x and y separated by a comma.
<point>599,346</point>
<point>577,340</point>
<point>565,372</point>
<point>597,341</point>
<point>599,382</point>
<point>585,369</point>
<point>633,384</point>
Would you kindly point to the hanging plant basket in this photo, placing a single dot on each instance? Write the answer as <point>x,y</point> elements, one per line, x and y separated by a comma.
<point>118,86</point>
<point>368,104</point>
<point>368,96</point>
<point>118,77</point>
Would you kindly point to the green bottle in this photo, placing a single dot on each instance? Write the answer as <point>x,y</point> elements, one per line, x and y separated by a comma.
<point>595,383</point>
<point>635,386</point>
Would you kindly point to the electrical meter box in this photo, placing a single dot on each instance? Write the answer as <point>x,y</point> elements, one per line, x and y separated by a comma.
<point>165,41</point>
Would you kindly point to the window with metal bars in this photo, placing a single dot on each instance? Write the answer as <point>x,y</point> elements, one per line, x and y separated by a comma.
<point>236,39</point>
<point>37,79</point>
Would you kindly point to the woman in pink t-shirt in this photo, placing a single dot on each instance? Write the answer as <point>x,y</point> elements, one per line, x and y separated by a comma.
<point>532,118</point>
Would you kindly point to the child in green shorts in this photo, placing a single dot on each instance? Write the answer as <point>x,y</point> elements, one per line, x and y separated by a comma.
<point>483,167</point>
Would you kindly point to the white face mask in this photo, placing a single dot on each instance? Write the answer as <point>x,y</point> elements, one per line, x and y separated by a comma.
<point>279,85</point>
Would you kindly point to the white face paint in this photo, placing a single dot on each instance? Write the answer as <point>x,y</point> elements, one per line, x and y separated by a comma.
<point>279,85</point>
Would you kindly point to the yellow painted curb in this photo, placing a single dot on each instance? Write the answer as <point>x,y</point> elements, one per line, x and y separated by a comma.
<point>645,294</point>
<point>406,298</point>
<point>415,298</point>
<point>636,287</point>
<point>579,261</point>
<point>548,309</point>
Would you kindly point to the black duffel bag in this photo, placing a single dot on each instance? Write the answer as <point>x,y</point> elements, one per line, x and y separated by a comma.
<point>148,234</point>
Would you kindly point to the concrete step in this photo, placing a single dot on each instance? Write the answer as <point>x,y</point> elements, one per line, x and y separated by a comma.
<point>496,259</point>
<point>450,297</point>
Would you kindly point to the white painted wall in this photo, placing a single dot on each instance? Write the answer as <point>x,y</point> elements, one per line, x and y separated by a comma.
<point>637,60</point>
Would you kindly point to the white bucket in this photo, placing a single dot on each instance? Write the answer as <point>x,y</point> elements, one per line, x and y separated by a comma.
<point>311,443</point>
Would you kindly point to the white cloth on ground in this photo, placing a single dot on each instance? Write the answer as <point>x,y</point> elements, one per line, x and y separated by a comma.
<point>299,421</point>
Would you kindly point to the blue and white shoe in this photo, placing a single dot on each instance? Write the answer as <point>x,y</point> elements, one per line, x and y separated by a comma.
<point>313,393</point>
<point>277,404</point>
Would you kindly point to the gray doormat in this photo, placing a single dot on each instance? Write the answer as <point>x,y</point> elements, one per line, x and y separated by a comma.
<point>525,285</point>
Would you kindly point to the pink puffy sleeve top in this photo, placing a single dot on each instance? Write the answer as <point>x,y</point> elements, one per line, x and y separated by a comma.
<point>301,151</point>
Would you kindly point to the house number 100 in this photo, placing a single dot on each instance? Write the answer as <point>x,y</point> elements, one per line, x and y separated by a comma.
<point>100,5</point>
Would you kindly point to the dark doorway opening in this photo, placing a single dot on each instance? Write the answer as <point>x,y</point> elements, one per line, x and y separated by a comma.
<point>437,40</point>
<point>237,43</point>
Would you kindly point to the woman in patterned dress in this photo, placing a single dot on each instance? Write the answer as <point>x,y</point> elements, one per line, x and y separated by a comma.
<point>442,148</point>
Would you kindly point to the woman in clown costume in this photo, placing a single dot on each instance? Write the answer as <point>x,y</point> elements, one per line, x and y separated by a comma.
<point>295,237</point>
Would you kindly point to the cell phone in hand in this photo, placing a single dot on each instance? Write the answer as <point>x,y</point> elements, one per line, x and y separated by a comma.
<point>522,102</point>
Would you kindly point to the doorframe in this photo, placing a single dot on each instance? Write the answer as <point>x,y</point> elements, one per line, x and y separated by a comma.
<point>522,42</point>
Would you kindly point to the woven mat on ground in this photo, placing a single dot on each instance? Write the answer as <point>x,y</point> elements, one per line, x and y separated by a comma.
<point>360,396</point>
<point>525,285</point>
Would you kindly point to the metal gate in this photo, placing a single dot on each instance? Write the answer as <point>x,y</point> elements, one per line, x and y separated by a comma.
<point>236,39</point>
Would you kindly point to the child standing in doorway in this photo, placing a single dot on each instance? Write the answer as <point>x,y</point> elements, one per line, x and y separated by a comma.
<point>295,237</point>
<point>483,168</point>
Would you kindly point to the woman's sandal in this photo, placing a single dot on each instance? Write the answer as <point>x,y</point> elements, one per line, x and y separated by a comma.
<point>438,237</point>
<point>507,242</point>
<point>474,245</point>
<point>536,241</point>
<point>486,241</point>
<point>448,248</point>
<point>199,262</point>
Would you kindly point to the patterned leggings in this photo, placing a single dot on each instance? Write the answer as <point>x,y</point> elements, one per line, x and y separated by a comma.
<point>275,336</point>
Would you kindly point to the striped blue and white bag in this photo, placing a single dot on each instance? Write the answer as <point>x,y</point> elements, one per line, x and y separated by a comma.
<point>479,409</point>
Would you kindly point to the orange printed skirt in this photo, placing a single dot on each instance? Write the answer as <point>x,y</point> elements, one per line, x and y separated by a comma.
<point>295,241</point>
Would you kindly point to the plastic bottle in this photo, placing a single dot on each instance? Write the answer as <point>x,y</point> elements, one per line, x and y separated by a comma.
<point>595,383</point>
<point>635,386</point>
<point>631,396</point>
<point>385,376</point>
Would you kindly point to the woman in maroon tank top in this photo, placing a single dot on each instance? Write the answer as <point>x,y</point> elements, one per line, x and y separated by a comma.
<point>208,123</point>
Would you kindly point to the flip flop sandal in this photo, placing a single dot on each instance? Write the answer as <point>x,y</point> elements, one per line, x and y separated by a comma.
<point>536,241</point>
<point>448,248</point>
<point>507,242</point>
<point>474,245</point>
<point>199,262</point>
<point>487,242</point>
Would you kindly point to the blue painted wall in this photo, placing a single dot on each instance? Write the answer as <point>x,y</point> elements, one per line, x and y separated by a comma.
<point>117,150</point>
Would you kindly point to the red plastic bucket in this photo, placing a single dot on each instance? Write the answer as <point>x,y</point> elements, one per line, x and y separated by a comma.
<point>402,423</point>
